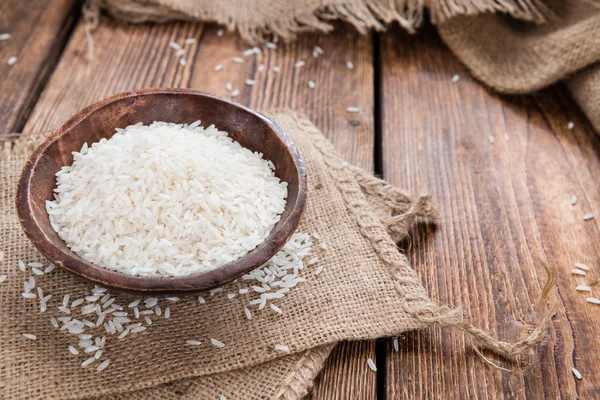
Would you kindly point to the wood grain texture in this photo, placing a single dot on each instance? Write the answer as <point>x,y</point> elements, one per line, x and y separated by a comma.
<point>130,57</point>
<point>503,170</point>
<point>39,30</point>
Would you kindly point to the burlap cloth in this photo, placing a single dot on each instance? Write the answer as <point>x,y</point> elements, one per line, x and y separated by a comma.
<point>366,290</point>
<point>542,42</point>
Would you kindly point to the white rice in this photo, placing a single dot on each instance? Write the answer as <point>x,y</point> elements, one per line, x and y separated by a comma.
<point>49,268</point>
<point>276,309</point>
<point>276,68</point>
<point>134,304</point>
<point>299,64</point>
<point>248,313</point>
<point>371,365</point>
<point>577,373</point>
<point>396,345</point>
<point>319,270</point>
<point>21,265</point>
<point>73,350</point>
<point>582,266</point>
<point>217,343</point>
<point>182,62</point>
<point>271,45</point>
<point>229,86</point>
<point>88,362</point>
<point>2,278</point>
<point>588,216</point>
<point>353,109</point>
<point>194,342</point>
<point>312,84</point>
<point>235,92</point>
<point>220,33</point>
<point>574,200</point>
<point>260,68</point>
<point>218,67</point>
<point>175,46</point>
<point>282,347</point>
<point>175,200</point>
<point>201,300</point>
<point>11,60</point>
<point>189,41</point>
<point>29,336</point>
<point>250,82</point>
<point>350,65</point>
<point>4,36</point>
<point>77,302</point>
<point>455,78</point>
<point>167,312</point>
<point>571,125</point>
<point>583,288</point>
<point>238,60</point>
<point>578,272</point>
<point>593,300</point>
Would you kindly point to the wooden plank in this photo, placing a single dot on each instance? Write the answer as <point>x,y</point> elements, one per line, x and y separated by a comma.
<point>39,30</point>
<point>504,205</point>
<point>129,57</point>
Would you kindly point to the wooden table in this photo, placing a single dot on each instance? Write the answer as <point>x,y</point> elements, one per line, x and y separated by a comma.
<point>502,169</point>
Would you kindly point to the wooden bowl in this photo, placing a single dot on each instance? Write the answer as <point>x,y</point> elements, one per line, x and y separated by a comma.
<point>249,128</point>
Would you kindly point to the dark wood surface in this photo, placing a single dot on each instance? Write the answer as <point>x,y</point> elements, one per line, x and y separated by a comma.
<point>504,204</point>
<point>39,30</point>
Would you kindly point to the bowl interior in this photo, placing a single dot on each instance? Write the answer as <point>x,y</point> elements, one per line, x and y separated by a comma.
<point>98,121</point>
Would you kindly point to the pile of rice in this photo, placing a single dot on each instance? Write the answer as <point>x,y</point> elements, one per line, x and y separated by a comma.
<point>166,200</point>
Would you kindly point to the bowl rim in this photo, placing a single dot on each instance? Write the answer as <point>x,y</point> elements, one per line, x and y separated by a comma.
<point>191,283</point>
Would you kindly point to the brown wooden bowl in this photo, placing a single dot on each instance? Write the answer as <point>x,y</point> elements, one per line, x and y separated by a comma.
<point>249,128</point>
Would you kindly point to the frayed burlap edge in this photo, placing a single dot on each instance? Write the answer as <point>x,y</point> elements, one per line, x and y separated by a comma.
<point>418,304</point>
<point>313,16</point>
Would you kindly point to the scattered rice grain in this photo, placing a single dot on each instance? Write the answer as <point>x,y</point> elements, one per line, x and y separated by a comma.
<point>574,200</point>
<point>282,347</point>
<point>217,343</point>
<point>88,362</point>
<point>371,364</point>
<point>577,373</point>
<point>582,266</point>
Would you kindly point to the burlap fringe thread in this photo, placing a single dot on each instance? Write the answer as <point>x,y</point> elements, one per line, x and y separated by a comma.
<point>430,314</point>
<point>317,16</point>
